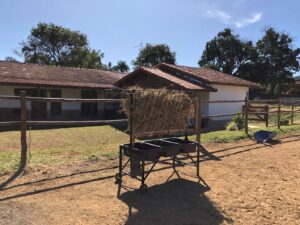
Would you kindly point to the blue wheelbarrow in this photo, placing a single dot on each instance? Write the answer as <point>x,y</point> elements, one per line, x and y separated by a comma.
<point>263,136</point>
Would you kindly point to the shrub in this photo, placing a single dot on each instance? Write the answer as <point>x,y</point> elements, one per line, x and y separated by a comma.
<point>232,126</point>
<point>239,120</point>
<point>284,121</point>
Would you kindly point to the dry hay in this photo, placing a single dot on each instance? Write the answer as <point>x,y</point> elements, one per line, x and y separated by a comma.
<point>159,110</point>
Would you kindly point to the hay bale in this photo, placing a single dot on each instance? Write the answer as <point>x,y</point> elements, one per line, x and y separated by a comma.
<point>159,110</point>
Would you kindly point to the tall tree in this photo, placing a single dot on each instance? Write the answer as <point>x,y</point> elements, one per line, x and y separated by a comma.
<point>278,57</point>
<point>55,45</point>
<point>227,52</point>
<point>152,55</point>
<point>121,67</point>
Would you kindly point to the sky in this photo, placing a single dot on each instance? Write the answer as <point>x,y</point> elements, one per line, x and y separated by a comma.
<point>119,27</point>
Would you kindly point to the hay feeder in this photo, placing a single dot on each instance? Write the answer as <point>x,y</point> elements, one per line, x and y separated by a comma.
<point>154,113</point>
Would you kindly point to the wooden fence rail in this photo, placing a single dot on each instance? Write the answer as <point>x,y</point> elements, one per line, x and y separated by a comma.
<point>248,110</point>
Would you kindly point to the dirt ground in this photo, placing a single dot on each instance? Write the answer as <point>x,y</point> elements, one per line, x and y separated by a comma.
<point>246,183</point>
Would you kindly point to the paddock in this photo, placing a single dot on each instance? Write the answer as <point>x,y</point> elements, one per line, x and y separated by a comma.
<point>242,182</point>
<point>247,183</point>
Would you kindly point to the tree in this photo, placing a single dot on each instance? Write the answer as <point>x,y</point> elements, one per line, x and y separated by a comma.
<point>278,57</point>
<point>152,55</point>
<point>54,45</point>
<point>227,52</point>
<point>121,67</point>
<point>11,59</point>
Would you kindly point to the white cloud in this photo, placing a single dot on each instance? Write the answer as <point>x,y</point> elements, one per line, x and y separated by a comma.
<point>219,14</point>
<point>226,18</point>
<point>246,21</point>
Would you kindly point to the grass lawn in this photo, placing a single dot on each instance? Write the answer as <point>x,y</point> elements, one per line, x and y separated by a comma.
<point>69,145</point>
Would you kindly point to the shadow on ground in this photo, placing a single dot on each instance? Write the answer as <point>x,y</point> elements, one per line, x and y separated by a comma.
<point>178,201</point>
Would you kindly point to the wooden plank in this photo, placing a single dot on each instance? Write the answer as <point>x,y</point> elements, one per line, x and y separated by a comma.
<point>220,115</point>
<point>7,97</point>
<point>39,99</point>
<point>264,101</point>
<point>198,119</point>
<point>162,132</point>
<point>267,116</point>
<point>278,114</point>
<point>256,119</point>
<point>10,123</point>
<point>130,118</point>
<point>246,115</point>
<point>88,122</point>
<point>222,101</point>
<point>292,116</point>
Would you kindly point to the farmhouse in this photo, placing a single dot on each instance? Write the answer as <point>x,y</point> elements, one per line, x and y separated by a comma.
<point>210,84</point>
<point>67,82</point>
<point>56,82</point>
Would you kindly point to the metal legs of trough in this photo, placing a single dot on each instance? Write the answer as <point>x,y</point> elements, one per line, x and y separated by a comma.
<point>144,174</point>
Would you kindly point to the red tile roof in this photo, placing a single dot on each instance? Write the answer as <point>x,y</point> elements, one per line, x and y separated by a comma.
<point>209,76</point>
<point>33,74</point>
<point>170,78</point>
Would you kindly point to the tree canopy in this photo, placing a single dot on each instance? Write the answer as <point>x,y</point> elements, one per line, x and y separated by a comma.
<point>278,57</point>
<point>226,52</point>
<point>121,67</point>
<point>55,45</point>
<point>272,61</point>
<point>152,55</point>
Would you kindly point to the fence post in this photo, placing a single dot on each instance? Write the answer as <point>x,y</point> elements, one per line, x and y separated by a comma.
<point>23,115</point>
<point>246,115</point>
<point>198,131</point>
<point>292,117</point>
<point>267,116</point>
<point>198,119</point>
<point>278,113</point>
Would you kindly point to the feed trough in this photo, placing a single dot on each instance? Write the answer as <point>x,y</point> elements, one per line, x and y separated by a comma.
<point>186,146</point>
<point>167,148</point>
<point>263,136</point>
<point>142,151</point>
<point>154,114</point>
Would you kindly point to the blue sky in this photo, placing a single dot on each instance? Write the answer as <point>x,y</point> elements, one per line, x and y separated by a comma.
<point>117,27</point>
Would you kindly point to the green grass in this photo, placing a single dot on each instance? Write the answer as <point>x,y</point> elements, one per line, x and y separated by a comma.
<point>61,146</point>
<point>69,145</point>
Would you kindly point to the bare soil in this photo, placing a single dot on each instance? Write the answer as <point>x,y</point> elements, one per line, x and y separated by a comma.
<point>246,183</point>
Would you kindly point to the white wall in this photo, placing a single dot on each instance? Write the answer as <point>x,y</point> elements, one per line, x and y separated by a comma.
<point>8,104</point>
<point>204,104</point>
<point>66,93</point>
<point>226,92</point>
<point>71,93</point>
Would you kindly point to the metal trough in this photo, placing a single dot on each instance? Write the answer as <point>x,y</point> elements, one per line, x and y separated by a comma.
<point>167,148</point>
<point>186,146</point>
<point>142,151</point>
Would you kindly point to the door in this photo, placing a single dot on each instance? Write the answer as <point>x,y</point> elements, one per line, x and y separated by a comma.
<point>89,110</point>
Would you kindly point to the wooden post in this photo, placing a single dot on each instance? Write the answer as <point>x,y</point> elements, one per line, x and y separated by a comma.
<point>23,116</point>
<point>292,117</point>
<point>131,118</point>
<point>267,116</point>
<point>278,113</point>
<point>198,131</point>
<point>198,119</point>
<point>246,115</point>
